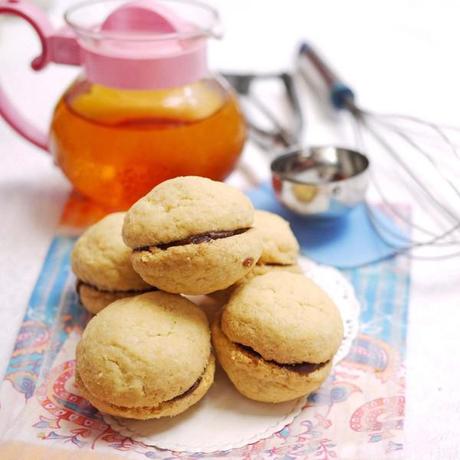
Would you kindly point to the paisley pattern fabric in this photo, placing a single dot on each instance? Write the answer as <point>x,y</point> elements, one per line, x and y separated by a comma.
<point>357,414</point>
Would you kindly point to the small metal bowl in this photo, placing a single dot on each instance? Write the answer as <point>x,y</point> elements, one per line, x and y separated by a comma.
<point>323,181</point>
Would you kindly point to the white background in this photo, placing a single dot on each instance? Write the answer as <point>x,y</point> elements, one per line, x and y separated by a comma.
<point>400,56</point>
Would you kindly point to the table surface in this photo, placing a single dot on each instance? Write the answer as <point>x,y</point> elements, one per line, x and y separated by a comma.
<point>400,56</point>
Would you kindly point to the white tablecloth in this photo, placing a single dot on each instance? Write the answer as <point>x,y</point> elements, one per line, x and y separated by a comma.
<point>400,56</point>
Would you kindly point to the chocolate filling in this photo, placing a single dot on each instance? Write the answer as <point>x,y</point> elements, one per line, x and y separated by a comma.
<point>196,239</point>
<point>301,368</point>
<point>187,392</point>
<point>276,264</point>
<point>182,395</point>
<point>128,292</point>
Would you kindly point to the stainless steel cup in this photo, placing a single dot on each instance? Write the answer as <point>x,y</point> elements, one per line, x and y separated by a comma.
<point>320,181</point>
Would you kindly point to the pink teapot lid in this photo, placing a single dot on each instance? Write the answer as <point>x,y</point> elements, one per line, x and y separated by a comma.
<point>143,44</point>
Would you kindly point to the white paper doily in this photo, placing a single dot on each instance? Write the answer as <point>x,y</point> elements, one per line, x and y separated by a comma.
<point>342,293</point>
<point>224,419</point>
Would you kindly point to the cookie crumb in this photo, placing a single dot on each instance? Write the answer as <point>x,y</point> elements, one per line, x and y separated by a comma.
<point>248,262</point>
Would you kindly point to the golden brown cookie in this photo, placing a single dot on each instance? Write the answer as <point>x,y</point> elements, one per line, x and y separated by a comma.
<point>277,336</point>
<point>192,235</point>
<point>279,245</point>
<point>145,357</point>
<point>102,263</point>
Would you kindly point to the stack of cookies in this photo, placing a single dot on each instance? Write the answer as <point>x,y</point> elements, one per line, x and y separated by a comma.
<point>147,353</point>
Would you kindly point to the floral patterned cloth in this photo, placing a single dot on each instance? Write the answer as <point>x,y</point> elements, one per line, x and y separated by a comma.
<point>358,414</point>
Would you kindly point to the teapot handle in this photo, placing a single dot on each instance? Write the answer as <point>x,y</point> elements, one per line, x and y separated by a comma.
<point>60,46</point>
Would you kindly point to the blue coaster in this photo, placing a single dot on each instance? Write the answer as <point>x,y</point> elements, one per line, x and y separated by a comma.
<point>347,242</point>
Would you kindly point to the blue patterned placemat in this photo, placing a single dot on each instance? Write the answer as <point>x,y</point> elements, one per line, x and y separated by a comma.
<point>359,410</point>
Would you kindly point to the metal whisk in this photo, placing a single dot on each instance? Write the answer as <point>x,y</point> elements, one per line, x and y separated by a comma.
<point>424,157</point>
<point>278,135</point>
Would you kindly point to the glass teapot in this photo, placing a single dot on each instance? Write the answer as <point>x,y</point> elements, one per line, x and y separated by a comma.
<point>145,108</point>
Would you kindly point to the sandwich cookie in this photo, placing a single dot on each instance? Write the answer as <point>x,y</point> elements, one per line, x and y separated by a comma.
<point>102,264</point>
<point>146,357</point>
<point>280,246</point>
<point>277,336</point>
<point>192,235</point>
